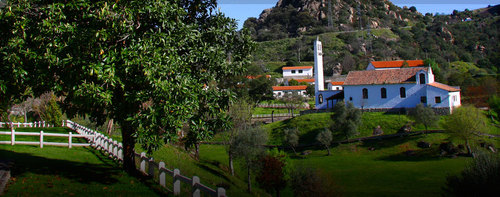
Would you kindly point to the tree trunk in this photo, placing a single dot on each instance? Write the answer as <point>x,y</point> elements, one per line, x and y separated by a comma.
<point>197,151</point>
<point>110,127</point>
<point>328,149</point>
<point>128,146</point>
<point>469,151</point>
<point>249,179</point>
<point>231,168</point>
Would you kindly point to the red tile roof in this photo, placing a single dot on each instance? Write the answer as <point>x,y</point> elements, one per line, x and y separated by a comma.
<point>304,80</point>
<point>297,67</point>
<point>281,88</point>
<point>258,76</point>
<point>337,83</point>
<point>397,64</point>
<point>444,87</point>
<point>390,76</point>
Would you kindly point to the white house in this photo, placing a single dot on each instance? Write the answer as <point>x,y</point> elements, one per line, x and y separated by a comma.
<point>385,86</point>
<point>335,85</point>
<point>297,72</point>
<point>384,90</point>
<point>279,91</point>
<point>383,65</point>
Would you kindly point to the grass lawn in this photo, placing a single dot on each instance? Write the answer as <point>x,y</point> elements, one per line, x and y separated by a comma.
<point>59,171</point>
<point>261,110</point>
<point>386,171</point>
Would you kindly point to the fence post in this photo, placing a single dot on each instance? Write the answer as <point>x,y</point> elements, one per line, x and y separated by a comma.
<point>161,173</point>
<point>69,140</point>
<point>120,151</point>
<point>177,182</point>
<point>105,144</point>
<point>195,191</point>
<point>143,163</point>
<point>151,167</point>
<point>115,149</point>
<point>221,192</point>
<point>41,139</point>
<point>12,136</point>
<point>110,148</point>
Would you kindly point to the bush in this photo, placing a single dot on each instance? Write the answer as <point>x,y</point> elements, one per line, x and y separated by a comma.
<point>310,182</point>
<point>481,177</point>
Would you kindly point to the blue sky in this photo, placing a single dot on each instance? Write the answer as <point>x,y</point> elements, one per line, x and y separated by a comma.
<point>242,9</point>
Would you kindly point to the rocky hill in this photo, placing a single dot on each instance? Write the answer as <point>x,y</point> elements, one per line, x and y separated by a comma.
<point>291,18</point>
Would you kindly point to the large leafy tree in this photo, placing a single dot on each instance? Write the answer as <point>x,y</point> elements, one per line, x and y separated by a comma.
<point>425,116</point>
<point>152,66</point>
<point>345,119</point>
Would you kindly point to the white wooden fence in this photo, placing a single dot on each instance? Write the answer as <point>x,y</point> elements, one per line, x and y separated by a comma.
<point>39,124</point>
<point>115,151</point>
<point>41,134</point>
<point>273,115</point>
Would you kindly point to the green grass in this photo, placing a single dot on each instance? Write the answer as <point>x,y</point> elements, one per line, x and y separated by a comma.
<point>59,171</point>
<point>386,171</point>
<point>260,110</point>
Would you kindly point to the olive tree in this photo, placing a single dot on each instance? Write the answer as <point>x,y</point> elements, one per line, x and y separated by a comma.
<point>425,116</point>
<point>466,123</point>
<point>152,66</point>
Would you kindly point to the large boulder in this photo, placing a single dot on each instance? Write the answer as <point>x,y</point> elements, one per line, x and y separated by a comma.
<point>423,144</point>
<point>405,128</point>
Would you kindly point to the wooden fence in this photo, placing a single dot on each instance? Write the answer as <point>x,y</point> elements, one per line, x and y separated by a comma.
<point>273,115</point>
<point>147,165</point>
<point>39,124</point>
<point>269,105</point>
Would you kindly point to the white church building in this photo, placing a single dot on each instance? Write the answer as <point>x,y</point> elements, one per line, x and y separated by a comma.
<point>391,89</point>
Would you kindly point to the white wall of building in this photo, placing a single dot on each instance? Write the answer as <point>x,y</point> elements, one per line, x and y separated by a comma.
<point>334,87</point>
<point>280,93</point>
<point>299,73</point>
<point>414,92</point>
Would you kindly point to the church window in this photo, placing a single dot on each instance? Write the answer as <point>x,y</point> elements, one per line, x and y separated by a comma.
<point>422,78</point>
<point>338,88</point>
<point>402,92</point>
<point>438,99</point>
<point>320,98</point>
<point>423,99</point>
<point>300,71</point>
<point>383,93</point>
<point>350,98</point>
<point>365,93</point>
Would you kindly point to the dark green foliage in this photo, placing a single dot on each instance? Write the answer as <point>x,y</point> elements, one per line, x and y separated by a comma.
<point>481,177</point>
<point>293,82</point>
<point>310,90</point>
<point>345,120</point>
<point>271,177</point>
<point>260,89</point>
<point>325,138</point>
<point>154,67</point>
<point>53,113</point>
<point>424,115</point>
<point>291,138</point>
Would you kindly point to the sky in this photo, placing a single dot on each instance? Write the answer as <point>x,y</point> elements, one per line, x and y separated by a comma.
<point>242,9</point>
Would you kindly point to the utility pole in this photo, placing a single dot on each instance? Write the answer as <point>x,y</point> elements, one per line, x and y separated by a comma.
<point>330,20</point>
<point>359,16</point>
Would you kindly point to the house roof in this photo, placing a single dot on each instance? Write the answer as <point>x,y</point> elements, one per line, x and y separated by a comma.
<point>397,64</point>
<point>304,80</point>
<point>297,67</point>
<point>444,87</point>
<point>337,83</point>
<point>258,76</point>
<point>281,88</point>
<point>390,76</point>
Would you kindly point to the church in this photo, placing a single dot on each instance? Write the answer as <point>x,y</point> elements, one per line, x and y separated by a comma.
<point>386,86</point>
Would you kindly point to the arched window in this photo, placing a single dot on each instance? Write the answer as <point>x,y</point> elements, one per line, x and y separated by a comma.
<point>402,92</point>
<point>365,93</point>
<point>422,78</point>
<point>383,93</point>
<point>320,98</point>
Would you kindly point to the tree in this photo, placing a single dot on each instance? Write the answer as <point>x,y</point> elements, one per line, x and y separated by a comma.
<point>241,118</point>
<point>293,82</point>
<point>310,90</point>
<point>152,66</point>
<point>345,119</point>
<point>480,177</point>
<point>425,116</point>
<point>248,146</point>
<point>271,176</point>
<point>292,101</point>
<point>466,123</point>
<point>260,89</point>
<point>325,138</point>
<point>291,138</point>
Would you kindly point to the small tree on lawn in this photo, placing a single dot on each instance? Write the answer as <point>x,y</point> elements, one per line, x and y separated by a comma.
<point>425,116</point>
<point>241,114</point>
<point>248,146</point>
<point>291,138</point>
<point>271,176</point>
<point>466,123</point>
<point>345,119</point>
<point>292,101</point>
<point>325,138</point>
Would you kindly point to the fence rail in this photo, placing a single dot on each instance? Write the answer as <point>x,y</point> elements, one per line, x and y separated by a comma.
<point>41,142</point>
<point>273,115</point>
<point>115,151</point>
<point>266,105</point>
<point>38,124</point>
